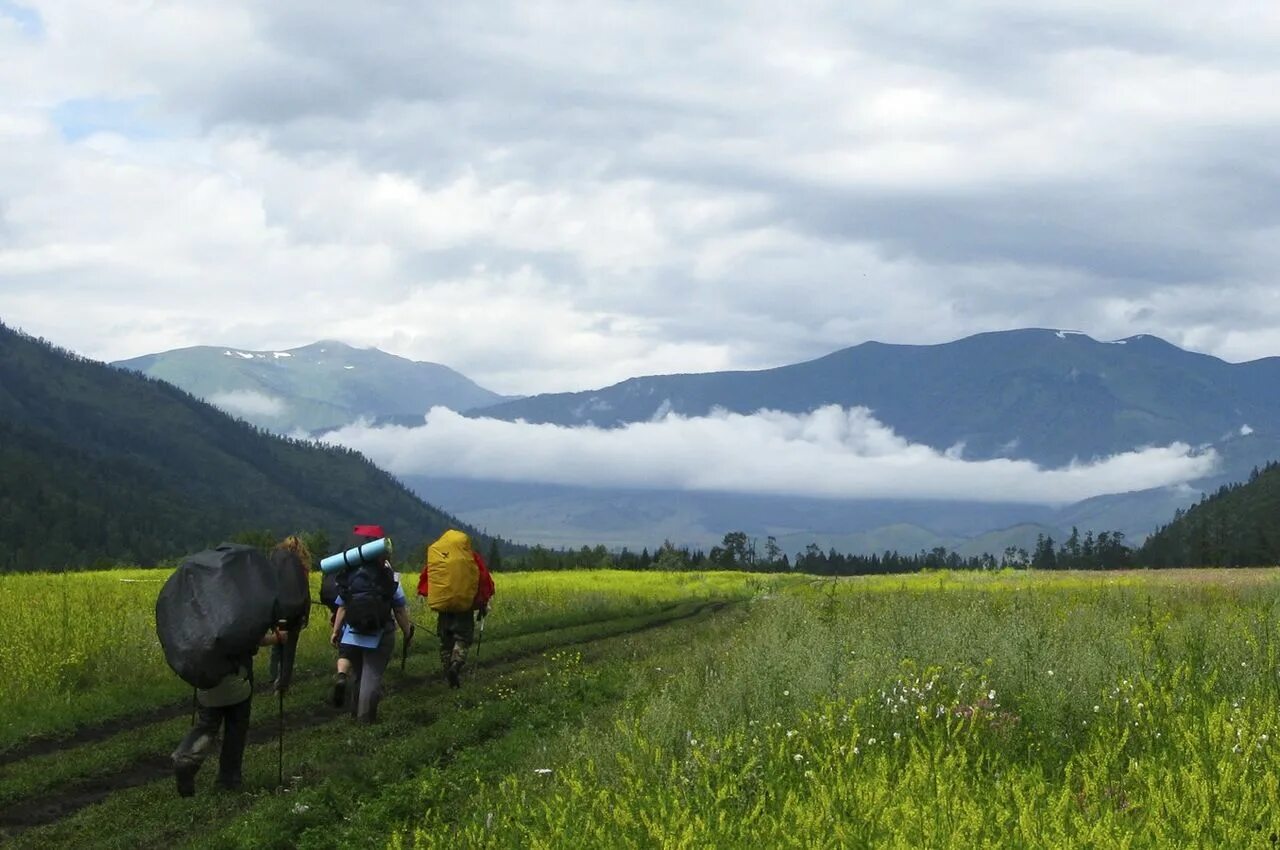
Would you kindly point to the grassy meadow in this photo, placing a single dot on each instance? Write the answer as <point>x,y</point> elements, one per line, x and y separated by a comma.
<point>701,710</point>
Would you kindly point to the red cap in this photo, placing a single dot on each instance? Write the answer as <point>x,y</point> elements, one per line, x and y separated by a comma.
<point>373,531</point>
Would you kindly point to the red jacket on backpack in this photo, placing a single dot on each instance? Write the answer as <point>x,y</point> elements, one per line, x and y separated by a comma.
<point>484,592</point>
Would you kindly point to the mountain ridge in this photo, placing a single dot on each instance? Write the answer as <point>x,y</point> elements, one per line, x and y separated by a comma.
<point>103,464</point>
<point>314,387</point>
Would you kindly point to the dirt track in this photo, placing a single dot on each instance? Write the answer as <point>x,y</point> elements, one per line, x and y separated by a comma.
<point>42,809</point>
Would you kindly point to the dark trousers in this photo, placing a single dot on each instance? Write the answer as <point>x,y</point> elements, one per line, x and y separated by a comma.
<point>456,632</point>
<point>282,658</point>
<point>199,740</point>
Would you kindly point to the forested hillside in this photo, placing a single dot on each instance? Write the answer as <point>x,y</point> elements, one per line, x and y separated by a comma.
<point>101,465</point>
<point>1239,525</point>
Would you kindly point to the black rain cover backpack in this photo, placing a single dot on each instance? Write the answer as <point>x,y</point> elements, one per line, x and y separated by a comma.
<point>367,591</point>
<point>213,611</point>
<point>293,593</point>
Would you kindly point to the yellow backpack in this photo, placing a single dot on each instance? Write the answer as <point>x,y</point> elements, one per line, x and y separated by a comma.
<point>452,575</point>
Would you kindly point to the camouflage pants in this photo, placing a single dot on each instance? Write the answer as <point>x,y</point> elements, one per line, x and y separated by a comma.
<point>456,631</point>
<point>203,736</point>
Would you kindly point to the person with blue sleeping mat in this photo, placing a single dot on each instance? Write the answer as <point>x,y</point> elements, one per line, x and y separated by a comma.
<point>371,604</point>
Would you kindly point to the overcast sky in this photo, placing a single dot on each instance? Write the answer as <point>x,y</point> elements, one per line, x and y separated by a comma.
<point>552,196</point>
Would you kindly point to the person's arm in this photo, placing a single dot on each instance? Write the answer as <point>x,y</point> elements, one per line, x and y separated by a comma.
<point>402,619</point>
<point>338,619</point>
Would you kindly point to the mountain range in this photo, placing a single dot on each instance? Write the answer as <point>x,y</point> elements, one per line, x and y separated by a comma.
<point>1043,395</point>
<point>99,465</point>
<point>314,388</point>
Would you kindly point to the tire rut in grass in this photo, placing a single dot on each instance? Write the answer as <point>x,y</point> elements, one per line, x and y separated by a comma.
<point>42,810</point>
<point>93,733</point>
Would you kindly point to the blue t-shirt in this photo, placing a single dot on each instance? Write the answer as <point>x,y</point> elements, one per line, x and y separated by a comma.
<point>351,637</point>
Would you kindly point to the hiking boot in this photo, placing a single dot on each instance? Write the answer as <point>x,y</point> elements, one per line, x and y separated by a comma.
<point>230,783</point>
<point>185,777</point>
<point>338,696</point>
<point>454,675</point>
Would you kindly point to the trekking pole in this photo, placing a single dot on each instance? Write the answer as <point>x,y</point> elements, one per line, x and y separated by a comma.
<point>280,692</point>
<point>404,650</point>
<point>479,640</point>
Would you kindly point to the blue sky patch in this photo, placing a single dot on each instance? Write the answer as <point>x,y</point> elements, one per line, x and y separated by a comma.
<point>28,19</point>
<point>82,117</point>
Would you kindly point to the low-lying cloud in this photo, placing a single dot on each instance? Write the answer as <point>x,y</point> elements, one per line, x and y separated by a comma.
<point>831,452</point>
<point>249,403</point>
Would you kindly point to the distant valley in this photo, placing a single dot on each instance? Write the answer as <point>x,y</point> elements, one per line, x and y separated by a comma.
<point>1046,396</point>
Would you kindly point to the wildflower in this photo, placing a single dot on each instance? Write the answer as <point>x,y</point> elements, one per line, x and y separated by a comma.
<point>1050,672</point>
<point>542,771</point>
<point>786,693</point>
<point>791,733</point>
<point>300,808</point>
<point>871,742</point>
<point>798,757</point>
<point>856,751</point>
<point>1096,709</point>
<point>897,736</point>
<point>991,695</point>
<point>1263,737</point>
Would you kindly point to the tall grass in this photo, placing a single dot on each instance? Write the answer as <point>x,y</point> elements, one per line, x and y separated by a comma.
<point>80,647</point>
<point>934,711</point>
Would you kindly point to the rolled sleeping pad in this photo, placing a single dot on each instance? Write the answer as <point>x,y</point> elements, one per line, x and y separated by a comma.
<point>364,553</point>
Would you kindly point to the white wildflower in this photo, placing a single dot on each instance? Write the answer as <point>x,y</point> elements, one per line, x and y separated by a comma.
<point>542,771</point>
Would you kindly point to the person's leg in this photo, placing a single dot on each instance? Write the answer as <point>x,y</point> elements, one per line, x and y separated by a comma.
<point>343,680</point>
<point>282,674</point>
<point>194,747</point>
<point>464,630</point>
<point>375,665</point>
<point>359,662</point>
<point>446,640</point>
<point>236,733</point>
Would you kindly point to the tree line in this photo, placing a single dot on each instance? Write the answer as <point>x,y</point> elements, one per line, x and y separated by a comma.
<point>739,551</point>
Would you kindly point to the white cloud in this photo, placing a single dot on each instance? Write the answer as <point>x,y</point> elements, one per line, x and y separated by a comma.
<point>625,190</point>
<point>249,403</point>
<point>828,453</point>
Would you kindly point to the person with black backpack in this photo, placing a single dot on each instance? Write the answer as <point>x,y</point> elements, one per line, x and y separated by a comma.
<point>371,604</point>
<point>293,559</point>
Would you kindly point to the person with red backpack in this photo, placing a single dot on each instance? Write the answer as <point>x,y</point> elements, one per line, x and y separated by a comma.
<point>455,582</point>
<point>370,604</point>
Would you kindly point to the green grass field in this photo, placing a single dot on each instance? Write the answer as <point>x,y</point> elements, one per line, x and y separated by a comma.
<point>695,710</point>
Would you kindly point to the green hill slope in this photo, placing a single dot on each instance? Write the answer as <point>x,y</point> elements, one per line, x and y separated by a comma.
<point>101,464</point>
<point>1236,526</point>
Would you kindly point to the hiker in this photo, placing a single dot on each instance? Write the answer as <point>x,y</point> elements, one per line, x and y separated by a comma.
<point>294,558</point>
<point>371,604</point>
<point>463,586</point>
<point>226,705</point>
